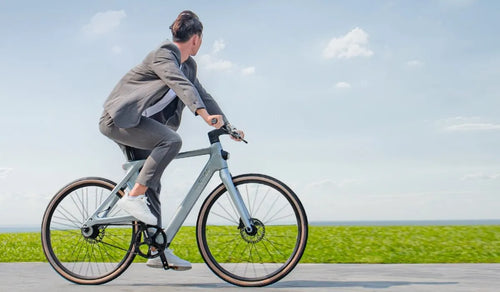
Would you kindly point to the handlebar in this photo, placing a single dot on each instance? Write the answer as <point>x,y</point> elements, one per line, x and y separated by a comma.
<point>226,129</point>
<point>233,132</point>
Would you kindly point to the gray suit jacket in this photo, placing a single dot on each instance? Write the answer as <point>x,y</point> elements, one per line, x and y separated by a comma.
<point>145,84</point>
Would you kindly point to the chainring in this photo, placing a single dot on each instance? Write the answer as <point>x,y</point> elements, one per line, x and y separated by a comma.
<point>150,241</point>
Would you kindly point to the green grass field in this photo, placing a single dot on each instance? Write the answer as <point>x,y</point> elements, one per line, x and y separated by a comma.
<point>333,244</point>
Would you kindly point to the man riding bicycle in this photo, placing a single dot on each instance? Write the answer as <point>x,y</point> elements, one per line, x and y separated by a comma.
<point>143,113</point>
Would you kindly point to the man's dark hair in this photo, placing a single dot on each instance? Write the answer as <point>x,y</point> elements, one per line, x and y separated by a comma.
<point>185,26</point>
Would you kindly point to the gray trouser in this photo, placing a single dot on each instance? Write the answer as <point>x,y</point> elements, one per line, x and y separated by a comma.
<point>153,141</point>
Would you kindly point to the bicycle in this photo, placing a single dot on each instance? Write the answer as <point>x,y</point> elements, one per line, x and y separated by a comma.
<point>251,229</point>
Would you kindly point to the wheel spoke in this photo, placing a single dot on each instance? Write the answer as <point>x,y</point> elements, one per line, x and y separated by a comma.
<point>232,220</point>
<point>229,216</point>
<point>68,215</point>
<point>263,200</point>
<point>77,207</point>
<point>113,245</point>
<point>270,209</point>
<point>279,218</point>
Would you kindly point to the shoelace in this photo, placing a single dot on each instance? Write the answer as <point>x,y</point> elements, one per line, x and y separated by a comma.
<point>146,202</point>
<point>145,199</point>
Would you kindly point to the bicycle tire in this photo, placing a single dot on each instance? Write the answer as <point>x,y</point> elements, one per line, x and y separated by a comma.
<point>252,260</point>
<point>97,257</point>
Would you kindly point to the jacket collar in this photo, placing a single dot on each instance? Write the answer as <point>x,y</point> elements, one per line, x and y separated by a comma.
<point>172,47</point>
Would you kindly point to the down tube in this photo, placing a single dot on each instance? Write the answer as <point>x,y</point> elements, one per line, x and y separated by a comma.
<point>189,202</point>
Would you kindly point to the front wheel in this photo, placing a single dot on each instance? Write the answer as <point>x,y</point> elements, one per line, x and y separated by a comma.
<point>269,251</point>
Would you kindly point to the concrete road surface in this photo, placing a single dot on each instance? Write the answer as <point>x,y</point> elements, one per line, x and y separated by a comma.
<point>306,277</point>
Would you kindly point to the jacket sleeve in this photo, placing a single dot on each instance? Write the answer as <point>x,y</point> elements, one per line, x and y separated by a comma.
<point>166,66</point>
<point>210,104</point>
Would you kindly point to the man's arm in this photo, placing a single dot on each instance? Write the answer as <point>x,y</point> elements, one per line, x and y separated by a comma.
<point>210,104</point>
<point>166,66</point>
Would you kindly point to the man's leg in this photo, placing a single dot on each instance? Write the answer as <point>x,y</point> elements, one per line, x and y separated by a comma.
<point>152,193</point>
<point>162,144</point>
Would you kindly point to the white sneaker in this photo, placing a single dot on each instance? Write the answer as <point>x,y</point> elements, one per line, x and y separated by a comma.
<point>174,262</point>
<point>137,207</point>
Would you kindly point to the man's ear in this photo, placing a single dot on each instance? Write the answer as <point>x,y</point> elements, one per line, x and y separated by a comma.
<point>193,39</point>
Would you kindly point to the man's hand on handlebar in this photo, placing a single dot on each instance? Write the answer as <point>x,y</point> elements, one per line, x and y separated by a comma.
<point>236,135</point>
<point>239,137</point>
<point>215,121</point>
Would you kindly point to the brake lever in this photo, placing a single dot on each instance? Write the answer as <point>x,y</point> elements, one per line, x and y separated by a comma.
<point>237,136</point>
<point>232,131</point>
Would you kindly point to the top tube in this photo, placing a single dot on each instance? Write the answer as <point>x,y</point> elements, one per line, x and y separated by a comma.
<point>199,152</point>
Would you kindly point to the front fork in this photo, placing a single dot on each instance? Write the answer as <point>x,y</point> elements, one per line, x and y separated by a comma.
<point>237,200</point>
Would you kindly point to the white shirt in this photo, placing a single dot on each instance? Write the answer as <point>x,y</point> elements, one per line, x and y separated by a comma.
<point>161,104</point>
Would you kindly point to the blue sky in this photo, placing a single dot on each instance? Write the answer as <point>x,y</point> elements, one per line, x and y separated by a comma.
<point>369,110</point>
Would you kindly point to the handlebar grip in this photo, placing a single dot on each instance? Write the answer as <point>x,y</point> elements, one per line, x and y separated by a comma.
<point>214,121</point>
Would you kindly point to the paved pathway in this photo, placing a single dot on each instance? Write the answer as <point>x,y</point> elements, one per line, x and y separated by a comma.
<point>306,277</point>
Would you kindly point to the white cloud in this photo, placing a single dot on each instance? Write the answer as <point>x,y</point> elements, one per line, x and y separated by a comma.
<point>462,124</point>
<point>353,44</point>
<point>248,71</point>
<point>218,46</point>
<point>213,61</point>
<point>4,172</point>
<point>104,22</point>
<point>415,63</point>
<point>343,84</point>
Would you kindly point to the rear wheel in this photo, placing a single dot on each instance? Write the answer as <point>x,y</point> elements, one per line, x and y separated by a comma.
<point>269,251</point>
<point>92,255</point>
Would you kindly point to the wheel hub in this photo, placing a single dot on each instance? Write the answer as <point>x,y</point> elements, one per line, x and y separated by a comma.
<point>254,235</point>
<point>93,234</point>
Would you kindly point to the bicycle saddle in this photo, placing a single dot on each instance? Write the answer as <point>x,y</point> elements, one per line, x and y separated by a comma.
<point>129,152</point>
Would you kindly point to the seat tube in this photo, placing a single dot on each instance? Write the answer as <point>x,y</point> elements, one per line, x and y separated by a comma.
<point>236,198</point>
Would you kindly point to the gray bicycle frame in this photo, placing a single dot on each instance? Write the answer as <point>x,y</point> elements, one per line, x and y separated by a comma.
<point>215,163</point>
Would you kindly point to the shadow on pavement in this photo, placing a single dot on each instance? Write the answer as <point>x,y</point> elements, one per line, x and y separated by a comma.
<point>364,284</point>
<point>307,284</point>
